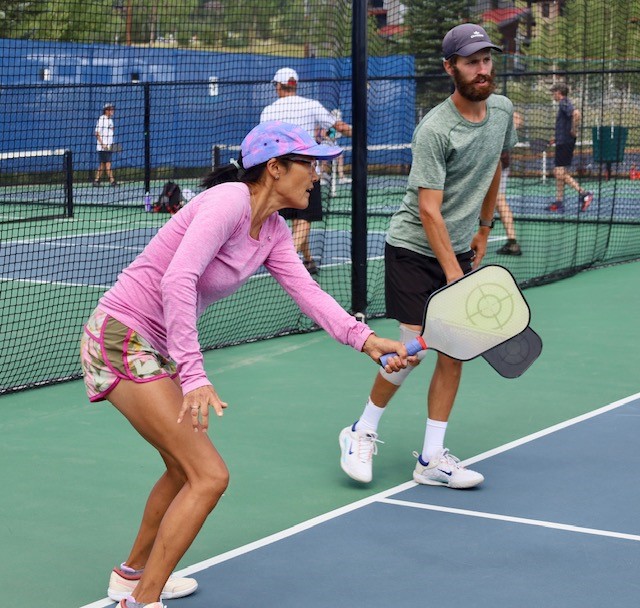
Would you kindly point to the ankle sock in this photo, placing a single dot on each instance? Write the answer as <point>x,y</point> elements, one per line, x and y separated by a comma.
<point>130,602</point>
<point>130,571</point>
<point>370,417</point>
<point>433,439</point>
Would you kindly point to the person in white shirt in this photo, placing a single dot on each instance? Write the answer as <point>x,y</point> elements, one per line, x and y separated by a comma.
<point>312,116</point>
<point>331,137</point>
<point>104,143</point>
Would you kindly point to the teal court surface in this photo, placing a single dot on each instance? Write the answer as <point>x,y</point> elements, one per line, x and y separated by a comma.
<point>554,523</point>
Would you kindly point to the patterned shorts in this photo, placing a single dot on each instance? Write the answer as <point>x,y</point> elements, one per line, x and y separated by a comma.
<point>110,352</point>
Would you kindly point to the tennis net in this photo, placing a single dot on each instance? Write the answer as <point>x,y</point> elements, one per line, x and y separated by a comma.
<point>209,82</point>
<point>36,185</point>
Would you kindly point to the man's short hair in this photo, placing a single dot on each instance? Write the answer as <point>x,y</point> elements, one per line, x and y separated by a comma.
<point>562,88</point>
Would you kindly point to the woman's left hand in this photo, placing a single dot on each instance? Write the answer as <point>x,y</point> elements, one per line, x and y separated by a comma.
<point>375,347</point>
<point>197,403</point>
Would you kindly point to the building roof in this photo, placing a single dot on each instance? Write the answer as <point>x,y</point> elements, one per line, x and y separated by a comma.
<point>504,16</point>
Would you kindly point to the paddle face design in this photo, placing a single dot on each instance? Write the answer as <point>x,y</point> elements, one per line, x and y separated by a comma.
<point>514,357</point>
<point>473,314</point>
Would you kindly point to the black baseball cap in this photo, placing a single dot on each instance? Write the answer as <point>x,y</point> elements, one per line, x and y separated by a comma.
<point>465,40</point>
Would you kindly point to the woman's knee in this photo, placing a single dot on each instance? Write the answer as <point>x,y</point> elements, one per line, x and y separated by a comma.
<point>210,481</point>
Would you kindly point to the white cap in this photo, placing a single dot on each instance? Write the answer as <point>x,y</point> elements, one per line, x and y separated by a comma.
<point>286,76</point>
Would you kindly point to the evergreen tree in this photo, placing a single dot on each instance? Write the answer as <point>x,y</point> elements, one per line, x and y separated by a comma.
<point>428,21</point>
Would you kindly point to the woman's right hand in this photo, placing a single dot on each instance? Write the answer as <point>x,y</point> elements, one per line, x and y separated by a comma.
<point>375,347</point>
<point>196,403</point>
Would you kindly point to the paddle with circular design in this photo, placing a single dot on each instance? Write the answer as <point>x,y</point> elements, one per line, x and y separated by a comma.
<point>472,315</point>
<point>514,357</point>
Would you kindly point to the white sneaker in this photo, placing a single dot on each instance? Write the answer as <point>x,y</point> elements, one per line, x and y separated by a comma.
<point>358,449</point>
<point>124,604</point>
<point>445,470</point>
<point>345,180</point>
<point>121,585</point>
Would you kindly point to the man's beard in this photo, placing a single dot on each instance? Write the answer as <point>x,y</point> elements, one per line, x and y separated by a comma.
<point>468,89</point>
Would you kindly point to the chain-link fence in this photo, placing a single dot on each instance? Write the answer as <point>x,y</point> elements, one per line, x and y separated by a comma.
<point>189,79</point>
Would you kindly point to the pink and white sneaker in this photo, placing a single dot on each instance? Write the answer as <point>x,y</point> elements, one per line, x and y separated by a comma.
<point>122,584</point>
<point>128,601</point>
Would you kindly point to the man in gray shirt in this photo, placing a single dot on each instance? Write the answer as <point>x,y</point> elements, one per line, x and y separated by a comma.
<point>439,233</point>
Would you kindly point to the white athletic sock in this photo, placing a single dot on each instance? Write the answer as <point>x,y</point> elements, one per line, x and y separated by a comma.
<point>433,439</point>
<point>370,417</point>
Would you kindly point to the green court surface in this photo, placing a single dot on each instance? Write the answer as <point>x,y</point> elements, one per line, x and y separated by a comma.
<point>75,476</point>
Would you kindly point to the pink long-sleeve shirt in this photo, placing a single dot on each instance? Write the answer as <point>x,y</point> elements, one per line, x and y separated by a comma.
<point>203,254</point>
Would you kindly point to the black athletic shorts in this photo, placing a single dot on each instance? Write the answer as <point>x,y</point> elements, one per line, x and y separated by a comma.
<point>104,156</point>
<point>410,278</point>
<point>313,213</point>
<point>564,154</point>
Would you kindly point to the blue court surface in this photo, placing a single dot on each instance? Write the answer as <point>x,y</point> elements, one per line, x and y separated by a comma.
<point>555,524</point>
<point>97,255</point>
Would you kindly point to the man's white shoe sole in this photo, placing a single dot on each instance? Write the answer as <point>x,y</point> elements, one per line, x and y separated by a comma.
<point>454,486</point>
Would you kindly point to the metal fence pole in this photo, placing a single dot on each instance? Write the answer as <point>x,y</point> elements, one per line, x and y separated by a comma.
<point>359,160</point>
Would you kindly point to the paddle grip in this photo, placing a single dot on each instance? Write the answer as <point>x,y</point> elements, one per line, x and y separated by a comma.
<point>413,348</point>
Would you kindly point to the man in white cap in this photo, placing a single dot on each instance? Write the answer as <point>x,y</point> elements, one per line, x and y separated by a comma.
<point>438,234</point>
<point>312,116</point>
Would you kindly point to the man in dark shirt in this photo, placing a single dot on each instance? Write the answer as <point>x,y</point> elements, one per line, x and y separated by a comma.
<point>567,124</point>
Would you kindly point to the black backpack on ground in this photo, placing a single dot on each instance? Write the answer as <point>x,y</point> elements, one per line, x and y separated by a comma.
<point>170,200</point>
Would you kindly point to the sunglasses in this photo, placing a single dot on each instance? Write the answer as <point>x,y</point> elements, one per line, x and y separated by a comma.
<point>307,160</point>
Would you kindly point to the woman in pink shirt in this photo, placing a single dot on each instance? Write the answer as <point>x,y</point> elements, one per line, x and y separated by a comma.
<point>140,347</point>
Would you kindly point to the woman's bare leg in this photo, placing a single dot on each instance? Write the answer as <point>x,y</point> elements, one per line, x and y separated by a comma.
<point>184,496</point>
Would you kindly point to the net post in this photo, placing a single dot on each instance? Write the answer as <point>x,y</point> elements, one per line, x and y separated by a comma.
<point>216,156</point>
<point>68,182</point>
<point>147,137</point>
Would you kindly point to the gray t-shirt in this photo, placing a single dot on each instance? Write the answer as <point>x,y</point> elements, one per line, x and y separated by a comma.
<point>456,156</point>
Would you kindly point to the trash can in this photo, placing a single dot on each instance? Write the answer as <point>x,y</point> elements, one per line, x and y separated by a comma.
<point>608,145</point>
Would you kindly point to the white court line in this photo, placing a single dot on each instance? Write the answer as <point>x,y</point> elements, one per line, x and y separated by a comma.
<point>56,283</point>
<point>384,497</point>
<point>263,542</point>
<point>517,520</point>
<point>551,429</point>
<point>248,361</point>
<point>104,247</point>
<point>263,275</point>
<point>69,237</point>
